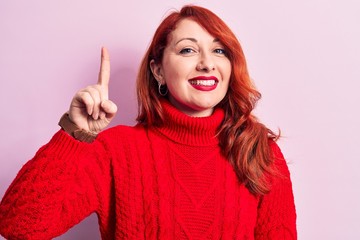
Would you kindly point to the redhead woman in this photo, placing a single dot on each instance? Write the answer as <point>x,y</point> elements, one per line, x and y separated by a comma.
<point>197,165</point>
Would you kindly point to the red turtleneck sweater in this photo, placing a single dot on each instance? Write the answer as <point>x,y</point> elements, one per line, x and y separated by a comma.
<point>160,183</point>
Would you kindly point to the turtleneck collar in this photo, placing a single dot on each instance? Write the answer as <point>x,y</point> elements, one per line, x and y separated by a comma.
<point>184,129</point>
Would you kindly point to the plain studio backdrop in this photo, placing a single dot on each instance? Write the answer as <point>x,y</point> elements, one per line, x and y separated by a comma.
<point>304,57</point>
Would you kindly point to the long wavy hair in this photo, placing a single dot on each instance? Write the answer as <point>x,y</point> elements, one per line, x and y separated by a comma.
<point>244,141</point>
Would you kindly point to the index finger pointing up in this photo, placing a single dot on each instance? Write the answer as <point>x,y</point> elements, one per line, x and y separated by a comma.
<point>104,74</point>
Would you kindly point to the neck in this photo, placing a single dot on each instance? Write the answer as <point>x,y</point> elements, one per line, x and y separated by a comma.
<point>185,129</point>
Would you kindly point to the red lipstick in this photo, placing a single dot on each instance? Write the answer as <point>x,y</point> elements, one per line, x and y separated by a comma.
<point>204,83</point>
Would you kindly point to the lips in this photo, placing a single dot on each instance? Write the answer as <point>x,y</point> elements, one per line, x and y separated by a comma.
<point>204,83</point>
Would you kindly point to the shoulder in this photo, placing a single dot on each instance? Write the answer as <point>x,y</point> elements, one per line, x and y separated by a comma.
<point>276,151</point>
<point>123,129</point>
<point>281,174</point>
<point>119,140</point>
<point>123,135</point>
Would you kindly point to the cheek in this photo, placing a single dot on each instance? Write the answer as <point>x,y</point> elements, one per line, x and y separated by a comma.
<point>177,71</point>
<point>226,72</point>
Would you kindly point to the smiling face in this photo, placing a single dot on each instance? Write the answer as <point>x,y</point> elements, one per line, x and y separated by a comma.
<point>195,69</point>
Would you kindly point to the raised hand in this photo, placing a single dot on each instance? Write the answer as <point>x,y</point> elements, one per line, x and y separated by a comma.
<point>90,108</point>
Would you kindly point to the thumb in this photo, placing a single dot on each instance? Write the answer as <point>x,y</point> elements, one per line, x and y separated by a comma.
<point>110,108</point>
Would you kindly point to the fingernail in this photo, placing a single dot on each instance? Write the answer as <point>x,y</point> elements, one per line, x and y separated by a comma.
<point>102,115</point>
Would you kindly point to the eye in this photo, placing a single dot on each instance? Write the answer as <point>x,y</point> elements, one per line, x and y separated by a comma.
<point>220,51</point>
<point>186,51</point>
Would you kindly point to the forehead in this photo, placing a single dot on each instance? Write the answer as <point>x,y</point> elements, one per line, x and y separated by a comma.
<point>189,28</point>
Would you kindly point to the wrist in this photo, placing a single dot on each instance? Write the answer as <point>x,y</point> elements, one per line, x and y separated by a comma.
<point>73,130</point>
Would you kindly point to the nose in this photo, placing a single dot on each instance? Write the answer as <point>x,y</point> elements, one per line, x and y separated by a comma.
<point>206,63</point>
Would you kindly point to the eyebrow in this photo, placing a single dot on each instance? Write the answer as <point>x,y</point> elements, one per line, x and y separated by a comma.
<point>194,40</point>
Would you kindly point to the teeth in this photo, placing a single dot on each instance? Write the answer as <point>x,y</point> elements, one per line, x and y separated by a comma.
<point>203,82</point>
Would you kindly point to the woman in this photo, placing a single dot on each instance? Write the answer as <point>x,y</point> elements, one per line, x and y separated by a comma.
<point>198,165</point>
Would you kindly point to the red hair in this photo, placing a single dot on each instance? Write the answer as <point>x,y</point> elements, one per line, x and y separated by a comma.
<point>244,141</point>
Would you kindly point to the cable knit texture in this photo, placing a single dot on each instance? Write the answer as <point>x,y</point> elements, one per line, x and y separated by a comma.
<point>169,182</point>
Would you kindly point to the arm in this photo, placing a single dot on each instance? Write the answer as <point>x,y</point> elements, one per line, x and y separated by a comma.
<point>64,183</point>
<point>276,211</point>
<point>66,180</point>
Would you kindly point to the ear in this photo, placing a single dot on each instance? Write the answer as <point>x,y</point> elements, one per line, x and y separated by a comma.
<point>156,70</point>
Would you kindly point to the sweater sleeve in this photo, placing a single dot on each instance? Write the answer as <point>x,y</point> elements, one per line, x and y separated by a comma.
<point>59,187</point>
<point>276,210</point>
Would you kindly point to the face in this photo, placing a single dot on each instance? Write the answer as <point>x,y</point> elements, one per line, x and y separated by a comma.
<point>195,69</point>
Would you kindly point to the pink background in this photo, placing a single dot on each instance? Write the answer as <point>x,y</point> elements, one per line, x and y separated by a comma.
<point>303,56</point>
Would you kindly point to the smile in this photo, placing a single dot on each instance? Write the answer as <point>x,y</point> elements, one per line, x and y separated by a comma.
<point>203,82</point>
